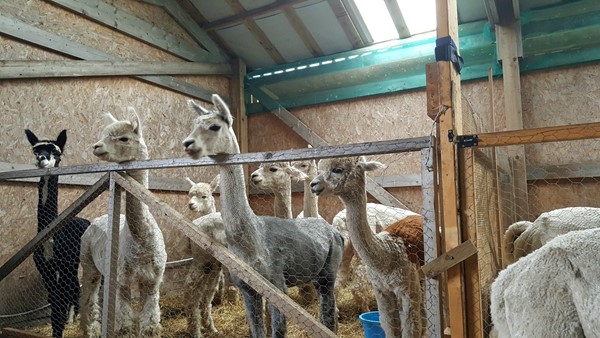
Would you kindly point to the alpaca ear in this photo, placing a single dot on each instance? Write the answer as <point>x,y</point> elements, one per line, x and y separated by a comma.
<point>197,108</point>
<point>215,183</point>
<point>61,140</point>
<point>222,108</point>
<point>369,165</point>
<point>192,183</point>
<point>295,173</point>
<point>135,121</point>
<point>31,137</point>
<point>109,118</point>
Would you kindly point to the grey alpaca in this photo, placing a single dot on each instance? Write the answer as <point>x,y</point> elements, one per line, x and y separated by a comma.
<point>287,252</point>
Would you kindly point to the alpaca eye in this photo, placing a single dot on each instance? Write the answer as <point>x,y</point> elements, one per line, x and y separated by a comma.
<point>214,127</point>
<point>123,139</point>
<point>273,170</point>
<point>204,197</point>
<point>337,170</point>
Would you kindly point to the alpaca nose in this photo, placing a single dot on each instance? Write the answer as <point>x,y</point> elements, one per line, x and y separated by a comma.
<point>41,158</point>
<point>313,184</point>
<point>254,175</point>
<point>187,143</point>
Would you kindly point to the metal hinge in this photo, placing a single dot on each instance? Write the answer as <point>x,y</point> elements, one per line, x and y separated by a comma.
<point>463,141</point>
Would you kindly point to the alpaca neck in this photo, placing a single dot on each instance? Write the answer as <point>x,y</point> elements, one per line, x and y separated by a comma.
<point>311,201</point>
<point>282,204</point>
<point>47,200</point>
<point>364,241</point>
<point>136,212</point>
<point>238,217</point>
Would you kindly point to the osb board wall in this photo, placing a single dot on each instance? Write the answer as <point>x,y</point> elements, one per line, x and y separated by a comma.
<point>47,106</point>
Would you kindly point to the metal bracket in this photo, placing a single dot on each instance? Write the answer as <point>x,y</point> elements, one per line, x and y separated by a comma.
<point>463,141</point>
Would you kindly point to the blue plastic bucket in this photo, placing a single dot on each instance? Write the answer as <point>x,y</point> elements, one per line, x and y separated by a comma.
<point>371,324</point>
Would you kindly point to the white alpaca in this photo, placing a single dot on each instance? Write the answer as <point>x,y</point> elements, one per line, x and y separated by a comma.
<point>277,177</point>
<point>205,274</point>
<point>393,276</point>
<point>522,238</point>
<point>142,254</point>
<point>310,200</point>
<point>287,252</point>
<point>552,292</point>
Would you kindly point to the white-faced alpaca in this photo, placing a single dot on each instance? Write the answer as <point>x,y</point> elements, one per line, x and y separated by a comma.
<point>277,177</point>
<point>205,275</point>
<point>287,252</point>
<point>522,238</point>
<point>57,260</point>
<point>142,254</point>
<point>552,292</point>
<point>393,276</point>
<point>311,201</point>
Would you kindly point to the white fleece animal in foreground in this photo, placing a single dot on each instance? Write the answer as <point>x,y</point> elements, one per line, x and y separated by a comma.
<point>552,292</point>
<point>522,238</point>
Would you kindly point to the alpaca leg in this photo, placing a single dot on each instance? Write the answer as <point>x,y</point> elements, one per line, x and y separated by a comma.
<point>201,287</point>
<point>278,322</point>
<point>412,310</point>
<point>254,310</point>
<point>232,294</point>
<point>90,309</point>
<point>328,316</point>
<point>150,317</point>
<point>124,325</point>
<point>389,315</point>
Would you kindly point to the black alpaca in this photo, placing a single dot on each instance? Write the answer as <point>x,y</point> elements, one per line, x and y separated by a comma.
<point>57,260</point>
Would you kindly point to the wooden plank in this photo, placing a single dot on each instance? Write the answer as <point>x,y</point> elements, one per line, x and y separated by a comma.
<point>346,23</point>
<point>276,297</point>
<point>131,25</point>
<point>243,15</point>
<point>8,332</point>
<point>397,18</point>
<point>41,38</point>
<point>77,68</point>
<point>111,258</point>
<point>73,209</point>
<point>449,259</point>
<point>357,149</point>
<point>539,135</point>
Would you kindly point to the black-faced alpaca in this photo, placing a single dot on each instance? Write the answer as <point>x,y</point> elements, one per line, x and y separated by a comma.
<point>57,260</point>
<point>287,252</point>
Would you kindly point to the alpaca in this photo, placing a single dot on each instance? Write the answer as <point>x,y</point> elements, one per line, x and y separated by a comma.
<point>522,238</point>
<point>393,276</point>
<point>142,255</point>
<point>277,178</point>
<point>287,252</point>
<point>58,259</point>
<point>205,276</point>
<point>311,201</point>
<point>552,292</point>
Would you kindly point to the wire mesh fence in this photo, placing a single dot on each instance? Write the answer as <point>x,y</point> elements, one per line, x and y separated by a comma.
<point>195,281</point>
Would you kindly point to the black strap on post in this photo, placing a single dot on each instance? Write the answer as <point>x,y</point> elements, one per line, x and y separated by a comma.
<point>445,50</point>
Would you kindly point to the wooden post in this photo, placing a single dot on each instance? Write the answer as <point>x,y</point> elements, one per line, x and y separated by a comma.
<point>111,258</point>
<point>443,86</point>
<point>240,120</point>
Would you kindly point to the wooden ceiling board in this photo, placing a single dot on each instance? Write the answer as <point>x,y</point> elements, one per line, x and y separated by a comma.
<point>242,42</point>
<point>213,10</point>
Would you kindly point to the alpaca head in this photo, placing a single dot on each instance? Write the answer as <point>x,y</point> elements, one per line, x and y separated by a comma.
<point>212,133</point>
<point>47,152</point>
<point>339,176</point>
<point>121,141</point>
<point>201,196</point>
<point>308,167</point>
<point>275,176</point>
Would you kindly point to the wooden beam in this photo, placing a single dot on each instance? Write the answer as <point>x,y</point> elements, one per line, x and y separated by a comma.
<point>77,68</point>
<point>449,259</point>
<point>8,332</point>
<point>257,32</point>
<point>450,119</point>
<point>241,16</point>
<point>397,18</point>
<point>128,24</point>
<point>347,24</point>
<point>41,38</point>
<point>300,28</point>
<point>539,135</point>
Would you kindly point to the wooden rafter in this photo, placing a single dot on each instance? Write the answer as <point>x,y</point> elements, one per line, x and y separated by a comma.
<point>257,32</point>
<point>346,22</point>
<point>398,18</point>
<point>303,32</point>
<point>241,16</point>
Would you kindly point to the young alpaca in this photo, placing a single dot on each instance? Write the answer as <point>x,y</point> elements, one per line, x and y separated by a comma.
<point>58,259</point>
<point>552,292</point>
<point>394,277</point>
<point>277,178</point>
<point>311,201</point>
<point>205,276</point>
<point>142,255</point>
<point>287,252</point>
<point>522,238</point>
